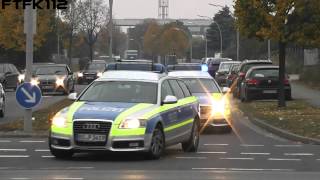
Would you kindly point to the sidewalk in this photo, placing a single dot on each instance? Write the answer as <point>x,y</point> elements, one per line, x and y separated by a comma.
<point>300,91</point>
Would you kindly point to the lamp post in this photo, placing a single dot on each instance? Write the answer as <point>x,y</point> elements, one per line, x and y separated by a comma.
<point>111,30</point>
<point>238,32</point>
<point>220,33</point>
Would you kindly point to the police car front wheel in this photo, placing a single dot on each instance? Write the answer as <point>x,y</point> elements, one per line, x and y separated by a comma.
<point>157,144</point>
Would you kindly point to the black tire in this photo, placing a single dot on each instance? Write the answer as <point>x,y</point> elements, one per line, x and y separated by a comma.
<point>192,144</point>
<point>157,145</point>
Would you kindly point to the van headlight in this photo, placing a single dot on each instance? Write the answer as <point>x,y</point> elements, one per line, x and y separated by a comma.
<point>35,81</point>
<point>132,123</point>
<point>60,120</point>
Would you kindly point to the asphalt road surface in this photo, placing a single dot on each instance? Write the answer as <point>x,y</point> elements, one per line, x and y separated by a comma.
<point>247,153</point>
<point>14,111</point>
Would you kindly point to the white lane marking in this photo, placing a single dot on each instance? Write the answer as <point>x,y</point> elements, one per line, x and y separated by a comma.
<point>191,157</point>
<point>240,169</point>
<point>317,159</point>
<point>279,159</point>
<point>298,154</point>
<point>212,152</point>
<point>288,145</point>
<point>2,168</point>
<point>29,141</point>
<point>237,159</point>
<point>5,141</point>
<point>248,153</point>
<point>47,156</point>
<point>68,178</point>
<point>216,144</point>
<point>41,150</point>
<point>13,150</point>
<point>14,156</point>
<point>80,167</point>
<point>22,178</point>
<point>252,145</point>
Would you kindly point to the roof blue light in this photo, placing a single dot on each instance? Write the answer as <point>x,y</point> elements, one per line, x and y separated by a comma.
<point>204,68</point>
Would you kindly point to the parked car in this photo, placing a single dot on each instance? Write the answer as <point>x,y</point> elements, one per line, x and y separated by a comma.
<point>92,71</point>
<point>2,101</point>
<point>224,68</point>
<point>53,78</point>
<point>231,75</point>
<point>243,69</point>
<point>213,65</point>
<point>9,76</point>
<point>262,82</point>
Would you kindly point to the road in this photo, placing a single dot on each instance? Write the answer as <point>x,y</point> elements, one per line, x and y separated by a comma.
<point>247,153</point>
<point>14,111</point>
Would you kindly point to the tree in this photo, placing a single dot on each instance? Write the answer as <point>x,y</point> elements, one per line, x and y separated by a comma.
<point>226,23</point>
<point>11,28</point>
<point>93,16</point>
<point>151,40</point>
<point>119,41</point>
<point>295,21</point>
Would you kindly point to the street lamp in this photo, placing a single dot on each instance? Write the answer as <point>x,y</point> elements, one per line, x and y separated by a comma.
<point>219,28</point>
<point>238,32</point>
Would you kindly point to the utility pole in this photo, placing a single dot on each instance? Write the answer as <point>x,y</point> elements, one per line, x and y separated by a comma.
<point>110,30</point>
<point>29,30</point>
<point>58,36</point>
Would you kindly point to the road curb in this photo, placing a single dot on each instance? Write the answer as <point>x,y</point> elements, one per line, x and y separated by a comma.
<point>281,132</point>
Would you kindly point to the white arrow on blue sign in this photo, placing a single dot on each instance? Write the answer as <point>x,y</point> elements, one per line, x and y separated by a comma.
<point>28,95</point>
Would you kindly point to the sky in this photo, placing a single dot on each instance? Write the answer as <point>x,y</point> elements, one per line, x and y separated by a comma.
<point>177,8</point>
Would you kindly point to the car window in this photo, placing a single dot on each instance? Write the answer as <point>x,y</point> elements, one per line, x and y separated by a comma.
<point>51,70</point>
<point>122,91</point>
<point>201,85</point>
<point>166,90</point>
<point>246,67</point>
<point>184,89</point>
<point>265,73</point>
<point>176,89</point>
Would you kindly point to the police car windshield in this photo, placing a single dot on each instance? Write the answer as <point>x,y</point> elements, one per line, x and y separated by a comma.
<point>201,85</point>
<point>121,91</point>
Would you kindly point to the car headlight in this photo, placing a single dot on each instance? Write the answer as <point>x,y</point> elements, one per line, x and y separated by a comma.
<point>218,107</point>
<point>99,74</point>
<point>80,74</point>
<point>60,81</point>
<point>132,123</point>
<point>35,82</point>
<point>60,120</point>
<point>21,77</point>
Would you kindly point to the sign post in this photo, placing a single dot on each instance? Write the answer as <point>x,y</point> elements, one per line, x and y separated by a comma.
<point>29,30</point>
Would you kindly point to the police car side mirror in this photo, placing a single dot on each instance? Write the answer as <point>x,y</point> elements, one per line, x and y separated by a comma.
<point>170,100</point>
<point>225,90</point>
<point>73,96</point>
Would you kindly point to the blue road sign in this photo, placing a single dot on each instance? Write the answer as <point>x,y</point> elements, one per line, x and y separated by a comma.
<point>28,95</point>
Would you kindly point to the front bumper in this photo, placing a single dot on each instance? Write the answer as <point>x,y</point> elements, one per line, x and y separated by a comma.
<point>215,120</point>
<point>52,88</point>
<point>116,144</point>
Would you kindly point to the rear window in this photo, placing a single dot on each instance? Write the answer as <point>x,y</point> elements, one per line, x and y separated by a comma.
<point>265,73</point>
<point>201,85</point>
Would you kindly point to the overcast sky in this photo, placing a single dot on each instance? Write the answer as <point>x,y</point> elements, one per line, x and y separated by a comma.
<point>177,8</point>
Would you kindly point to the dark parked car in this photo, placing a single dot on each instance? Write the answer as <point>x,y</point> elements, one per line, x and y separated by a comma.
<point>243,69</point>
<point>224,68</point>
<point>232,74</point>
<point>213,65</point>
<point>92,71</point>
<point>53,78</point>
<point>262,82</point>
<point>9,76</point>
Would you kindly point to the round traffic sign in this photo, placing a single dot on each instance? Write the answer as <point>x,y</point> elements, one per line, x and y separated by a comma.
<point>28,95</point>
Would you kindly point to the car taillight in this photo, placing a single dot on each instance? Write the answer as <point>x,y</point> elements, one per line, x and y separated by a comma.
<point>286,82</point>
<point>242,74</point>
<point>252,81</point>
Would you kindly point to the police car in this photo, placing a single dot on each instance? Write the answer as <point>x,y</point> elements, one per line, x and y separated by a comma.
<point>128,111</point>
<point>214,107</point>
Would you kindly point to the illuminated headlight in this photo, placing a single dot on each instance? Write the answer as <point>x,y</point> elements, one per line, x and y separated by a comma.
<point>80,74</point>
<point>21,77</point>
<point>218,107</point>
<point>99,74</point>
<point>35,82</point>
<point>60,120</point>
<point>60,81</point>
<point>132,124</point>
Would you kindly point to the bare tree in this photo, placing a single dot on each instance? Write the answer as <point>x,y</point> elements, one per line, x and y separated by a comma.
<point>92,17</point>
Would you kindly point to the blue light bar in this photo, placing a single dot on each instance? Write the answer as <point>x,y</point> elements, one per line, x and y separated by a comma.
<point>204,68</point>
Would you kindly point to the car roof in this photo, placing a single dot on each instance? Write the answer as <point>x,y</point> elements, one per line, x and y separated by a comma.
<point>49,64</point>
<point>190,74</point>
<point>230,62</point>
<point>256,61</point>
<point>264,67</point>
<point>131,76</point>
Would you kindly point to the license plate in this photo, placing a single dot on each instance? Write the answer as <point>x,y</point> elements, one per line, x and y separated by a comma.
<point>89,77</point>
<point>91,138</point>
<point>47,87</point>
<point>270,91</point>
